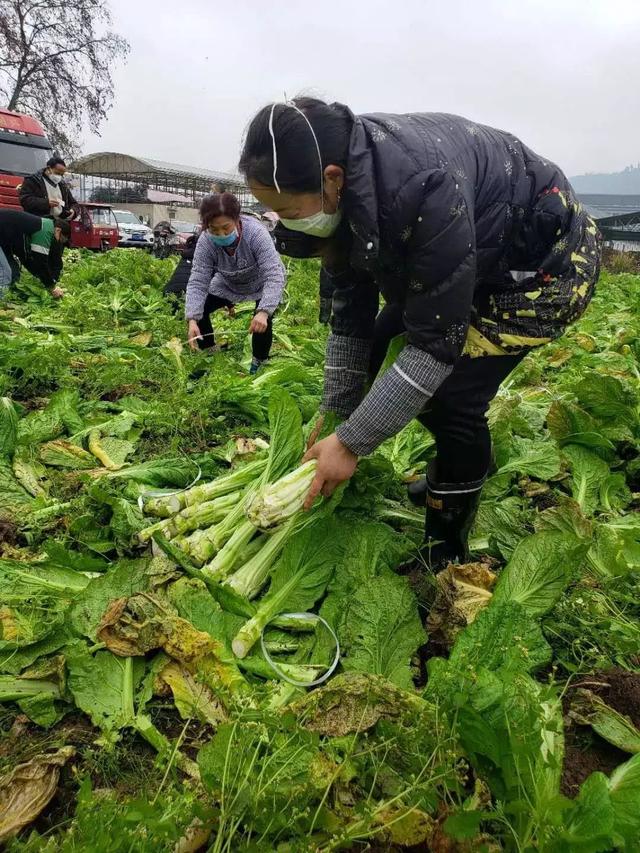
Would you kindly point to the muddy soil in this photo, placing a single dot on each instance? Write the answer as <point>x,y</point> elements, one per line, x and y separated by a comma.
<point>585,751</point>
<point>620,689</point>
<point>8,532</point>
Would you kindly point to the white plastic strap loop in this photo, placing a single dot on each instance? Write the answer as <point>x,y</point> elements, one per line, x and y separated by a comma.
<point>303,617</point>
<point>162,493</point>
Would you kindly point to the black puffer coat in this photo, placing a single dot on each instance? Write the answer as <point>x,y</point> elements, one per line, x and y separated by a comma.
<point>440,211</point>
<point>34,198</point>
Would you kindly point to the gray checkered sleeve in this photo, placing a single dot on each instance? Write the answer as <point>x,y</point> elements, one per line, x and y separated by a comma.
<point>345,373</point>
<point>396,397</point>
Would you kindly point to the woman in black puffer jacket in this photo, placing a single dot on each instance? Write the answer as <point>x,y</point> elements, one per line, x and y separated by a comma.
<point>479,248</point>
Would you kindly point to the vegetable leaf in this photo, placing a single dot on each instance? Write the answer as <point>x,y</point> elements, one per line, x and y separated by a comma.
<point>382,630</point>
<point>8,428</point>
<point>588,473</point>
<point>123,580</point>
<point>540,569</point>
<point>99,685</point>
<point>285,428</point>
<point>624,790</point>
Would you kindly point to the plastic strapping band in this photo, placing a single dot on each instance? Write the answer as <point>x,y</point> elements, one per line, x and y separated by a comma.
<point>275,150</point>
<point>306,617</point>
<point>160,493</point>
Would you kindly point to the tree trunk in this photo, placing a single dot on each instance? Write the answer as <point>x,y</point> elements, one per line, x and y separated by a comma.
<point>13,100</point>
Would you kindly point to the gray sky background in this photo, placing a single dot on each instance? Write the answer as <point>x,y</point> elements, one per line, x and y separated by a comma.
<point>564,75</point>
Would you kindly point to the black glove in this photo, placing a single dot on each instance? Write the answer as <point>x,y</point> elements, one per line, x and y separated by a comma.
<point>325,310</point>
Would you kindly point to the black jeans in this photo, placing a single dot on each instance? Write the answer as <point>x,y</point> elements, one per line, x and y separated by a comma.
<point>456,415</point>
<point>260,341</point>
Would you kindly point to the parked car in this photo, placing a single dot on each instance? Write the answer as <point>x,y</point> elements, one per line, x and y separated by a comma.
<point>132,231</point>
<point>183,230</point>
<point>95,228</point>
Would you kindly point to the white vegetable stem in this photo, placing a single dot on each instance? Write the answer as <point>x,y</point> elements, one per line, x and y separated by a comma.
<point>278,501</point>
<point>164,507</point>
<point>249,580</point>
<point>224,561</point>
<point>192,517</point>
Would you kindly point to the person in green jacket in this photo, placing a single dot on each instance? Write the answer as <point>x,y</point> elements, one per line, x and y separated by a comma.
<point>34,242</point>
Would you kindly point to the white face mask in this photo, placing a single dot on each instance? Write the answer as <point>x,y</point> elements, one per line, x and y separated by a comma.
<point>55,179</point>
<point>320,224</point>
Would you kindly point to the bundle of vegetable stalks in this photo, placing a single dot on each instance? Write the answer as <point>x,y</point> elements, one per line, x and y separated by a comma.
<point>236,527</point>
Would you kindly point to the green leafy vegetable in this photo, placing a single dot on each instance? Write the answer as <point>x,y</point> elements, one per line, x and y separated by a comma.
<point>588,472</point>
<point>539,459</point>
<point>8,428</point>
<point>64,454</point>
<point>539,571</point>
<point>382,630</point>
<point>300,578</point>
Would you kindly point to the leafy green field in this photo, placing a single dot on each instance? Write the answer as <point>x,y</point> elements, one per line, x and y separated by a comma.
<point>142,593</point>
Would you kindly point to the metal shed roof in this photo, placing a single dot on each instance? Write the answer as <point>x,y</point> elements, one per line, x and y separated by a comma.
<point>158,174</point>
<point>602,206</point>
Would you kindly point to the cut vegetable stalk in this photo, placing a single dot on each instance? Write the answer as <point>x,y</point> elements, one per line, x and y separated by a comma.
<point>163,746</point>
<point>166,506</point>
<point>199,545</point>
<point>248,552</point>
<point>222,564</point>
<point>192,518</point>
<point>299,580</point>
<point>273,504</point>
<point>249,580</point>
<point>13,688</point>
<point>304,673</point>
<point>227,527</point>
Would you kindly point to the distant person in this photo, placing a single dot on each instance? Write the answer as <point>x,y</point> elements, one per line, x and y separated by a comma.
<point>177,284</point>
<point>433,212</point>
<point>234,261</point>
<point>34,242</point>
<point>45,193</point>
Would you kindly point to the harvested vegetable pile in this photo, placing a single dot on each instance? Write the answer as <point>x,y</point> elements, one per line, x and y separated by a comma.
<point>190,661</point>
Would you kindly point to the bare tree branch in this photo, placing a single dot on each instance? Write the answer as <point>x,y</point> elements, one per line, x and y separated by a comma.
<point>56,61</point>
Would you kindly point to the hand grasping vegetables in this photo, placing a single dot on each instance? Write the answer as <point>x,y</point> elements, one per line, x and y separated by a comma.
<point>193,334</point>
<point>336,463</point>
<point>259,323</point>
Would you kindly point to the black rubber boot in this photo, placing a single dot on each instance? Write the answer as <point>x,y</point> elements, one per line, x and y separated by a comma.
<point>417,492</point>
<point>451,510</point>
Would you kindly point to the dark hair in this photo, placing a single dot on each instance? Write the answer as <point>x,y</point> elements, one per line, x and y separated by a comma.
<point>55,161</point>
<point>63,225</point>
<point>298,169</point>
<point>218,204</point>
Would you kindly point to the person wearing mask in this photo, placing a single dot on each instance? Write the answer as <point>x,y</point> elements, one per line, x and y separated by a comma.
<point>34,242</point>
<point>434,213</point>
<point>235,260</point>
<point>46,194</point>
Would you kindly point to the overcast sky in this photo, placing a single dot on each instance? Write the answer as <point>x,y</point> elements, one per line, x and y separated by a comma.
<point>564,75</point>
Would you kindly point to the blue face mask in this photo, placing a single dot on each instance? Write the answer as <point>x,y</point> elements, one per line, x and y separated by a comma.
<point>227,240</point>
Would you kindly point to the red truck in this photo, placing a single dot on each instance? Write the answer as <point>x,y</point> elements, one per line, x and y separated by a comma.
<point>25,149</point>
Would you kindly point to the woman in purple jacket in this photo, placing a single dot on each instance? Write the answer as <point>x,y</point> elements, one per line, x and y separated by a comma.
<point>235,261</point>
